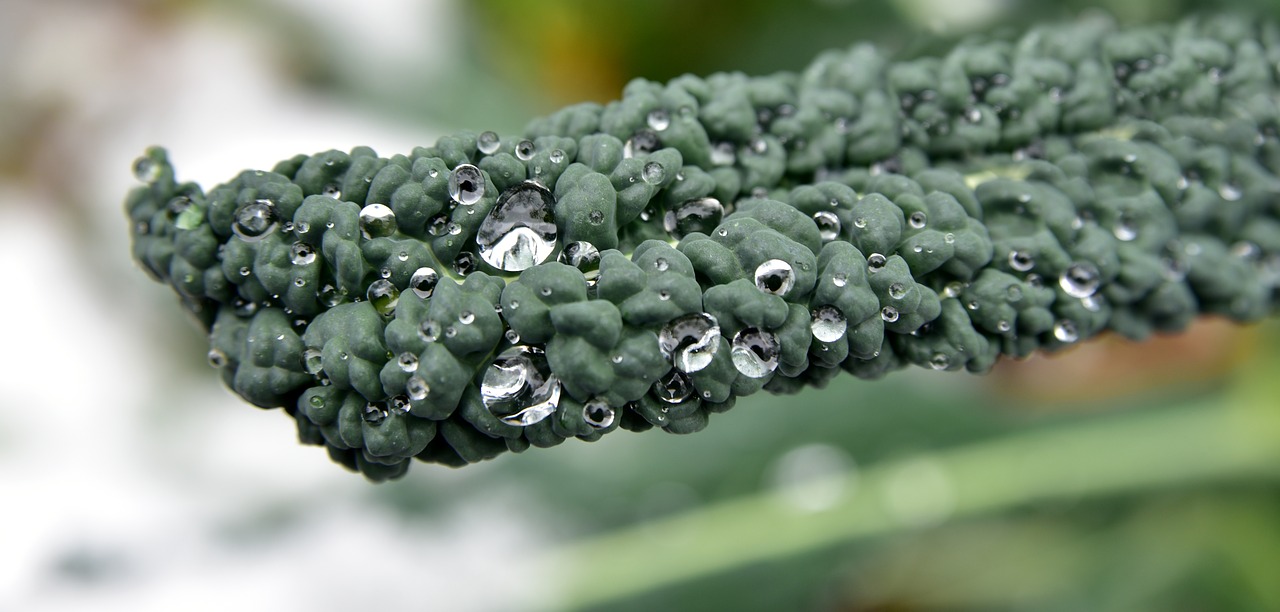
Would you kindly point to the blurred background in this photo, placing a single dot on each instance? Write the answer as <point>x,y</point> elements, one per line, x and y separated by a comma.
<point>1115,476</point>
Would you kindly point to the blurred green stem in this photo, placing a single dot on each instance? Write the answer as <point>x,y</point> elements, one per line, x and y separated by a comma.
<point>1225,438</point>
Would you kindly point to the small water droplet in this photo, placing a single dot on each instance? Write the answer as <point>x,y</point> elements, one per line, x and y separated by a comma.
<point>408,361</point>
<point>597,413</point>
<point>374,413</point>
<point>429,331</point>
<point>245,271</point>
<point>424,281</point>
<point>673,388</point>
<point>519,388</point>
<point>302,254</point>
<point>953,289</point>
<point>332,190</point>
<point>616,359</point>
<point>511,336</point>
<point>860,222</point>
<point>385,273</point>
<point>1003,325</point>
<point>1014,292</point>
<point>653,173</point>
<point>661,264</point>
<point>658,119</point>
<point>828,324</point>
<point>973,114</point>
<point>1230,192</point>
<point>417,388</point>
<point>939,361</point>
<point>1245,250</point>
<point>758,146</point>
<point>696,215</point>
<point>466,317</point>
<point>754,352</point>
<point>146,170</point>
<point>642,142</point>
<point>775,276</point>
<point>464,263</point>
<point>556,156</point>
<point>488,142</point>
<point>897,291</point>
<point>377,221</point>
<point>1080,279</point>
<point>917,219</point>
<point>299,282</point>
<point>217,358</point>
<point>973,305</point>
<point>889,314</point>
<point>690,342</point>
<point>384,296</point>
<point>876,262</point>
<point>1021,261</point>
<point>949,238</point>
<point>255,220</point>
<point>828,225</point>
<point>664,295</point>
<point>1126,229</point>
<point>520,232</point>
<point>466,184</point>
<point>1065,331</point>
<point>723,154</point>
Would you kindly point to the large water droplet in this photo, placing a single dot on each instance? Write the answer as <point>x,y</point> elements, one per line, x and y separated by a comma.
<point>775,276</point>
<point>488,142</point>
<point>520,231</point>
<point>519,388</point>
<point>828,323</point>
<point>424,281</point>
<point>466,184</point>
<point>384,296</point>
<point>673,388</point>
<point>255,220</point>
<point>696,215</point>
<point>828,225</point>
<point>1080,279</point>
<point>691,341</point>
<point>377,221</point>
<point>597,413</point>
<point>302,254</point>
<point>658,119</point>
<point>754,352</point>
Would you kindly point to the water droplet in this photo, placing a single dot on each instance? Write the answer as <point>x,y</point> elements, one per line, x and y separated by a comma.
<point>1065,331</point>
<point>398,405</point>
<point>424,281</point>
<point>1126,229</point>
<point>556,156</point>
<point>1021,261</point>
<point>661,264</point>
<point>374,413</point>
<point>466,317</point>
<point>243,307</point>
<point>840,279</point>
<point>511,336</point>
<point>897,291</point>
<point>723,154</point>
<point>643,141</point>
<point>439,225</point>
<point>302,254</point>
<point>488,142</point>
<point>1245,250</point>
<point>653,173</point>
<point>616,359</point>
<point>754,352</point>
<point>889,314</point>
<point>776,277</point>
<point>464,263</point>
<point>408,361</point>
<point>828,225</point>
<point>1230,192</point>
<point>939,361</point>
<point>876,262</point>
<point>377,220</point>
<point>525,150</point>
<point>299,282</point>
<point>917,220</point>
<point>658,119</point>
<point>146,170</point>
<point>403,256</point>
<point>828,324</point>
<point>255,220</point>
<point>696,215</point>
<point>520,231</point>
<point>597,413</point>
<point>1092,303</point>
<point>1004,326</point>
<point>429,331</point>
<point>519,388</point>
<point>673,387</point>
<point>1014,292</point>
<point>332,191</point>
<point>217,358</point>
<point>385,273</point>
<point>973,115</point>
<point>690,342</point>
<point>466,184</point>
<point>384,296</point>
<point>758,146</point>
<point>1080,279</point>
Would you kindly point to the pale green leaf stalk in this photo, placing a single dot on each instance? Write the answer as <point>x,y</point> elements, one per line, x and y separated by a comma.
<point>646,262</point>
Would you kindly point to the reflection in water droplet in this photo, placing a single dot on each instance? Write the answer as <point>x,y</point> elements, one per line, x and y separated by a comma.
<point>313,361</point>
<point>464,263</point>
<point>584,256</point>
<point>653,173</point>
<point>525,150</point>
<point>302,254</point>
<point>438,225</point>
<point>146,170</point>
<point>217,358</point>
<point>519,388</point>
<point>658,119</point>
<point>696,215</point>
<point>840,279</point>
<point>754,352</point>
<point>384,296</point>
<point>466,184</point>
<point>1080,279</point>
<point>377,221</point>
<point>424,281</point>
<point>408,361</point>
<point>1021,261</point>
<point>775,276</point>
<point>1065,331</point>
<point>332,191</point>
<point>374,413</point>
<point>723,154</point>
<point>520,231</point>
<point>875,262</point>
<point>488,143</point>
<point>691,341</point>
<point>889,314</point>
<point>255,220</point>
<point>429,331</point>
<point>398,405</point>
<point>417,388</point>
<point>939,361</point>
<point>597,413</point>
<point>917,219</point>
<point>828,324</point>
<point>897,291</point>
<point>643,141</point>
<point>828,225</point>
<point>673,388</point>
